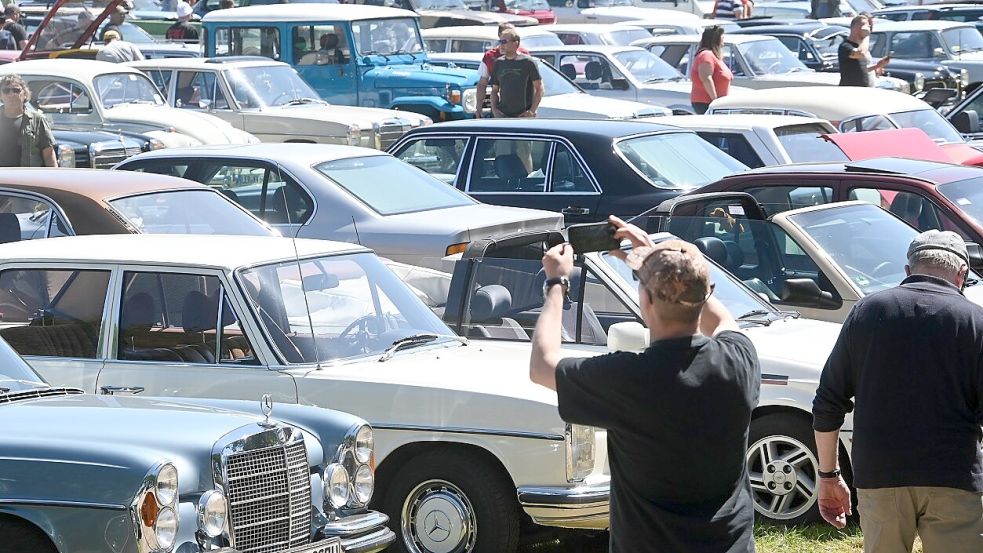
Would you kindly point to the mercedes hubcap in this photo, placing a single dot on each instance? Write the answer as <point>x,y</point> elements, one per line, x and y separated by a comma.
<point>784,473</point>
<point>438,518</point>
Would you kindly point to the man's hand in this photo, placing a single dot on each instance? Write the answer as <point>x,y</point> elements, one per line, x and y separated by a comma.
<point>558,261</point>
<point>498,114</point>
<point>527,114</point>
<point>627,231</point>
<point>834,501</point>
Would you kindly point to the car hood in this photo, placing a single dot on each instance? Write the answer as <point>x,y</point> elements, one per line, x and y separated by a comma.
<point>796,348</point>
<point>419,75</point>
<point>585,106</point>
<point>674,86</point>
<point>346,114</point>
<point>910,143</point>
<point>976,57</point>
<point>205,128</point>
<point>480,220</point>
<point>804,77</point>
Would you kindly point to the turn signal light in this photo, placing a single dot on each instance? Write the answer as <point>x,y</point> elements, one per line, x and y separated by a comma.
<point>456,248</point>
<point>454,97</point>
<point>149,509</point>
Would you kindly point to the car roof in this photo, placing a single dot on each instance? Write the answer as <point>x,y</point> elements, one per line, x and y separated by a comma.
<point>205,63</point>
<point>79,70</point>
<point>212,251</point>
<point>97,184</point>
<point>300,154</point>
<point>732,38</point>
<point>834,103</point>
<point>593,127</point>
<point>739,121</point>
<point>795,28</point>
<point>304,12</point>
<point>479,32</point>
<point>901,167</point>
<point>592,27</point>
<point>919,25</point>
<point>607,49</point>
<point>928,7</point>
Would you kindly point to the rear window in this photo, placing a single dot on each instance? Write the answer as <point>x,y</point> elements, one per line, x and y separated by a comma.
<point>187,212</point>
<point>677,160</point>
<point>803,143</point>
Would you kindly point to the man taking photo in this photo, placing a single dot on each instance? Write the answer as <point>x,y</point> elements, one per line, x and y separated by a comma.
<point>677,413</point>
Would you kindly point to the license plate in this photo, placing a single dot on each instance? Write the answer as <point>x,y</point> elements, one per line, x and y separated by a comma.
<point>332,545</point>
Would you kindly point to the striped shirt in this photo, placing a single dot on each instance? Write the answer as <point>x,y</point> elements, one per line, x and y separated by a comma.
<point>724,9</point>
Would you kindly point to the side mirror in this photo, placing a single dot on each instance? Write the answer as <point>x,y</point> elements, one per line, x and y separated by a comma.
<point>805,291</point>
<point>966,121</point>
<point>975,255</point>
<point>629,336</point>
<point>619,84</point>
<point>582,4</point>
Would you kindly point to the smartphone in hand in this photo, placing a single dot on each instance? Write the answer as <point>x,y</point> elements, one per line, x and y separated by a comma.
<point>592,237</point>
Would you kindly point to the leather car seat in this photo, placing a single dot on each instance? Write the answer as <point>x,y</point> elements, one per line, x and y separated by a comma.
<point>199,315</point>
<point>908,207</point>
<point>714,248</point>
<point>569,71</point>
<point>9,228</point>
<point>488,306</point>
<point>510,171</point>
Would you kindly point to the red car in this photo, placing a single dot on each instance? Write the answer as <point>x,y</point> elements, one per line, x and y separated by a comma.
<point>926,194</point>
<point>538,9</point>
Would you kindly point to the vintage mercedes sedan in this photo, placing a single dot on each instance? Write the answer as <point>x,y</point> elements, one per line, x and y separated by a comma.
<point>462,435</point>
<point>298,483</point>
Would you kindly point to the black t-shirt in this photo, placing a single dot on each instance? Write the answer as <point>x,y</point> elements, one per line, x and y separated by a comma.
<point>852,72</point>
<point>677,417</point>
<point>182,30</point>
<point>18,31</point>
<point>514,78</point>
<point>10,140</point>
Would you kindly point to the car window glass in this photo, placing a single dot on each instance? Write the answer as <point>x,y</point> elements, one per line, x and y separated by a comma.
<point>53,312</point>
<point>568,173</point>
<point>468,46</point>
<point>916,45</point>
<point>878,43</point>
<point>199,90</point>
<point>797,46</point>
<point>190,211</point>
<point>58,226</point>
<point>176,317</point>
<point>436,44</point>
<point>267,193</point>
<point>590,72</point>
<point>248,41</point>
<point>161,78</point>
<point>23,218</point>
<point>875,122</point>
<point>320,45</point>
<point>441,157</point>
<point>386,36</point>
<point>734,145</point>
<point>161,167</point>
<point>676,55</point>
<point>915,209</point>
<point>732,60</point>
<point>570,38</point>
<point>668,160</point>
<point>776,199</point>
<point>804,143</point>
<point>59,96</point>
<point>921,15</point>
<point>509,165</point>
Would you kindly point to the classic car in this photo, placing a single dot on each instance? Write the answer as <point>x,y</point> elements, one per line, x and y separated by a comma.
<point>604,304</point>
<point>97,149</point>
<point>963,13</point>
<point>462,436</point>
<point>150,47</point>
<point>451,13</point>
<point>109,472</point>
<point>269,100</point>
<point>854,109</point>
<point>599,34</point>
<point>756,61</point>
<point>816,45</point>
<point>586,170</point>
<point>479,39</point>
<point>954,45</point>
<point>925,194</point>
<point>97,95</point>
<point>616,11</point>
<point>623,72</point>
<point>562,98</point>
<point>819,259</point>
<point>348,194</point>
<point>43,203</point>
<point>760,140</point>
<point>372,56</point>
<point>539,10</point>
<point>965,115</point>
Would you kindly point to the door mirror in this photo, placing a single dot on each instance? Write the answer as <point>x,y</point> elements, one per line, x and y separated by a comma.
<point>585,4</point>
<point>966,121</point>
<point>619,84</point>
<point>805,291</point>
<point>627,336</point>
<point>975,255</point>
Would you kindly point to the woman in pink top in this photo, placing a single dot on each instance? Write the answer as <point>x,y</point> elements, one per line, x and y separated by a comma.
<point>710,75</point>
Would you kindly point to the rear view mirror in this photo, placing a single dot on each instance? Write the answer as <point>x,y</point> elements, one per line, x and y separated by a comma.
<point>966,121</point>
<point>315,283</point>
<point>805,291</point>
<point>975,255</point>
<point>619,84</point>
<point>627,336</point>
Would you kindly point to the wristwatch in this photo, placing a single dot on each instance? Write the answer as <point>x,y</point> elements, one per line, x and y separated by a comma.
<point>551,282</point>
<point>835,473</point>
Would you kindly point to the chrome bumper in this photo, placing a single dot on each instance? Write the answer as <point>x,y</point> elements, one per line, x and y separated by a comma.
<point>585,507</point>
<point>364,533</point>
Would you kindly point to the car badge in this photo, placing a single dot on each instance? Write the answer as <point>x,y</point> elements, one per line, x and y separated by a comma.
<point>266,404</point>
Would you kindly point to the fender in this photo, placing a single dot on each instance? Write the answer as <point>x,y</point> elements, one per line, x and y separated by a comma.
<point>436,102</point>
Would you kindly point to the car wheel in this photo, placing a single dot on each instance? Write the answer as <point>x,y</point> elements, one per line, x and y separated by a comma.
<point>22,537</point>
<point>452,502</point>
<point>784,469</point>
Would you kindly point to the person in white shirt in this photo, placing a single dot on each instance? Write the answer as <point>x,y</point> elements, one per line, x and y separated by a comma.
<point>117,50</point>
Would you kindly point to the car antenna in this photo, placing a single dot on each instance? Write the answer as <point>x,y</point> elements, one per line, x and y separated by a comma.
<point>303,291</point>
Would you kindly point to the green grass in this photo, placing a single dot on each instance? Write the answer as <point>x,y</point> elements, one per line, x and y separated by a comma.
<point>814,538</point>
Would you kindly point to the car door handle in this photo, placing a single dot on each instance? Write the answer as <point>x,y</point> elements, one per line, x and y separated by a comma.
<point>572,210</point>
<point>121,390</point>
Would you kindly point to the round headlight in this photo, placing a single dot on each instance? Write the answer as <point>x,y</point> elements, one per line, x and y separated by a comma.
<point>363,444</point>
<point>213,511</point>
<point>166,528</point>
<point>166,488</point>
<point>336,483</point>
<point>364,483</point>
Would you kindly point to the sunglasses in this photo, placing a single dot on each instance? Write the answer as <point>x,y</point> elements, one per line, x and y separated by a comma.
<point>11,90</point>
<point>506,41</point>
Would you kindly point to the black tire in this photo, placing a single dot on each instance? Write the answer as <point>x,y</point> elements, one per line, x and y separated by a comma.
<point>444,478</point>
<point>22,537</point>
<point>783,465</point>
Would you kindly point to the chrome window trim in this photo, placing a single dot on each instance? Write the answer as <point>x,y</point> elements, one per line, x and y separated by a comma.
<point>531,136</point>
<point>62,503</point>
<point>52,205</point>
<point>468,430</point>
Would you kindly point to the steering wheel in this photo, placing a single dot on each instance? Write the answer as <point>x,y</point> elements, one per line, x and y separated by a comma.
<point>361,338</point>
<point>881,267</point>
<point>278,96</point>
<point>774,65</point>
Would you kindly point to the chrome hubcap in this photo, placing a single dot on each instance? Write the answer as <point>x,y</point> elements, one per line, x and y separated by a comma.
<point>783,475</point>
<point>438,518</point>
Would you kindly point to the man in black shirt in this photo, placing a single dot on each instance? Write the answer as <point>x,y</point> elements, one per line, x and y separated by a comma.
<point>677,414</point>
<point>182,31</point>
<point>854,55</point>
<point>116,19</point>
<point>911,359</point>
<point>17,31</point>
<point>517,87</point>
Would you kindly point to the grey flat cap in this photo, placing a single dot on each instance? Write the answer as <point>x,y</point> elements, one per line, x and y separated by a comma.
<point>945,240</point>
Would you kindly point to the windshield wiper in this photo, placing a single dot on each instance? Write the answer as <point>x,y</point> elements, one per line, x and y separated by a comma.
<point>416,340</point>
<point>754,316</point>
<point>375,53</point>
<point>299,101</point>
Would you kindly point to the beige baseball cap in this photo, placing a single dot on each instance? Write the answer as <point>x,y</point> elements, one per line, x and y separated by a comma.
<point>674,271</point>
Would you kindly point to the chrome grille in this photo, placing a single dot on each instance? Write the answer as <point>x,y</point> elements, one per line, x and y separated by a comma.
<point>269,492</point>
<point>107,158</point>
<point>390,132</point>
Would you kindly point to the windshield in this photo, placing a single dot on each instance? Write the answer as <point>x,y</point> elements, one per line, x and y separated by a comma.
<point>336,307</point>
<point>126,88</point>
<point>527,4</point>
<point>266,86</point>
<point>387,36</point>
<point>770,57</point>
<point>554,82</point>
<point>963,39</point>
<point>677,160</point>
<point>187,212</point>
<point>624,37</point>
<point>868,244</point>
<point>440,4</point>
<point>968,195</point>
<point>804,143</point>
<point>391,187</point>
<point>931,122</point>
<point>647,67</point>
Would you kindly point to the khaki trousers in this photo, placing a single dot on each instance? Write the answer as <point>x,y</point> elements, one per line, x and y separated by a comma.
<point>946,519</point>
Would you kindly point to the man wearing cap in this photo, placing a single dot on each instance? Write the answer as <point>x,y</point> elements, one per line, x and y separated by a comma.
<point>12,25</point>
<point>117,50</point>
<point>676,414</point>
<point>182,30</point>
<point>909,363</point>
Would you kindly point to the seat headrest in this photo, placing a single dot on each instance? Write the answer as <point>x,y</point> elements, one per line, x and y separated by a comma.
<point>593,70</point>
<point>569,70</point>
<point>714,248</point>
<point>9,228</point>
<point>198,313</point>
<point>509,166</point>
<point>139,313</point>
<point>490,302</point>
<point>907,206</point>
